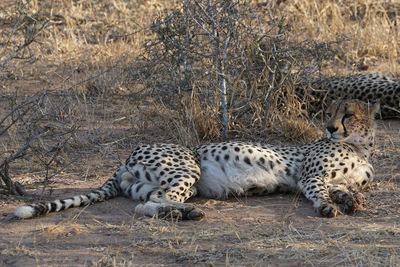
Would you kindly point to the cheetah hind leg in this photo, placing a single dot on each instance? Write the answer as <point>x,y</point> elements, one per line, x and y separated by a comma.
<point>160,205</point>
<point>348,202</point>
<point>167,209</point>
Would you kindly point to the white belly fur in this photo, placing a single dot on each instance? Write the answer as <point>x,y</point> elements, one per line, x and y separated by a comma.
<point>219,179</point>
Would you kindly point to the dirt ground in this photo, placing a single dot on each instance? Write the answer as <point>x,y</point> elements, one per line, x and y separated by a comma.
<point>278,230</point>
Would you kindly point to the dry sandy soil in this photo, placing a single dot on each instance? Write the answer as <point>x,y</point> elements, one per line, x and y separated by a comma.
<point>278,230</point>
<point>82,56</point>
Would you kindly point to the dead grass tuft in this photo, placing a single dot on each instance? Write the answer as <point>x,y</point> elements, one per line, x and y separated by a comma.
<point>94,56</point>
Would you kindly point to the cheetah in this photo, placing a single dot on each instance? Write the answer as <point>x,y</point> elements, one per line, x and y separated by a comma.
<point>362,86</point>
<point>330,172</point>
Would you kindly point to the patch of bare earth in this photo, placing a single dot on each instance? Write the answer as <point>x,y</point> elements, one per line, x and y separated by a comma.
<point>279,230</point>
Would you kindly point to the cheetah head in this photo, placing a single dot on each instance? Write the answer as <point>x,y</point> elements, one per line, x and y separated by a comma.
<point>351,121</point>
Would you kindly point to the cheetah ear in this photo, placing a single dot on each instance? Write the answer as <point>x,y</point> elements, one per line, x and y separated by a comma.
<point>374,107</point>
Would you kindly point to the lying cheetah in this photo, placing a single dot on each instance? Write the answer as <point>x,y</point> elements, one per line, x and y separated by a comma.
<point>362,86</point>
<point>163,176</point>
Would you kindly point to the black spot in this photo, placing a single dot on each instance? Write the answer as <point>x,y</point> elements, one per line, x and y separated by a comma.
<point>345,170</point>
<point>137,174</point>
<point>364,182</point>
<point>271,165</point>
<point>169,180</point>
<point>262,160</point>
<point>224,147</point>
<point>148,177</point>
<point>333,174</point>
<point>368,174</point>
<point>131,164</point>
<point>247,160</point>
<point>163,182</point>
<point>237,149</point>
<point>250,150</point>
<point>226,157</point>
<point>217,158</point>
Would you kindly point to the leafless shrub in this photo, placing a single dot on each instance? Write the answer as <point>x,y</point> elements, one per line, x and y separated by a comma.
<point>25,28</point>
<point>230,62</point>
<point>31,129</point>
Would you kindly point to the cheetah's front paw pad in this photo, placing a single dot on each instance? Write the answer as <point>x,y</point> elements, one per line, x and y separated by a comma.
<point>328,210</point>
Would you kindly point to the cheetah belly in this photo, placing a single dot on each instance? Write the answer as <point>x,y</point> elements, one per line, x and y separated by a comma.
<point>236,176</point>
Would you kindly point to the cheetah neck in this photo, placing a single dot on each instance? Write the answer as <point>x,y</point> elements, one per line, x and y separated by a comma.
<point>364,147</point>
<point>363,150</point>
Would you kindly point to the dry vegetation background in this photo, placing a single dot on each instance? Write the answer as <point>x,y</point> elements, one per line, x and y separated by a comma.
<point>82,82</point>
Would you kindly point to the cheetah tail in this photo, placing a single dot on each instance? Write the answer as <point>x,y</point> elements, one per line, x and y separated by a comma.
<point>109,190</point>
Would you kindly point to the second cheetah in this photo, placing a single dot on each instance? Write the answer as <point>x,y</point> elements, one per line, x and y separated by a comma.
<point>363,86</point>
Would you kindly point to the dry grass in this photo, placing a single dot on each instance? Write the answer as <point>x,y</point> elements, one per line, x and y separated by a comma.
<point>90,53</point>
<point>370,26</point>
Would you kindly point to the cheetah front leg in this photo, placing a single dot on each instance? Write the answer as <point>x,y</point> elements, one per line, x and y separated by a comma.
<point>316,190</point>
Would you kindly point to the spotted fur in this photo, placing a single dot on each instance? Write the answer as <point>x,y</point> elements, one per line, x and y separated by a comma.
<point>330,172</point>
<point>363,86</point>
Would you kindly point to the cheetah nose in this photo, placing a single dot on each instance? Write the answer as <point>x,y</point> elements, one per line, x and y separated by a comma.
<point>331,129</point>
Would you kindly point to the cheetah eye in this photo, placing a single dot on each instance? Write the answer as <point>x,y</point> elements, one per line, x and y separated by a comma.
<point>348,116</point>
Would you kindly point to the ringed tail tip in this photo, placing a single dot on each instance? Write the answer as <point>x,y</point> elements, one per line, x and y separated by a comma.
<point>25,212</point>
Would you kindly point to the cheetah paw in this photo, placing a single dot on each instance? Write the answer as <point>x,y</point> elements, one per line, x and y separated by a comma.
<point>181,212</point>
<point>192,213</point>
<point>360,199</point>
<point>328,210</point>
<point>353,203</point>
<point>169,213</point>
